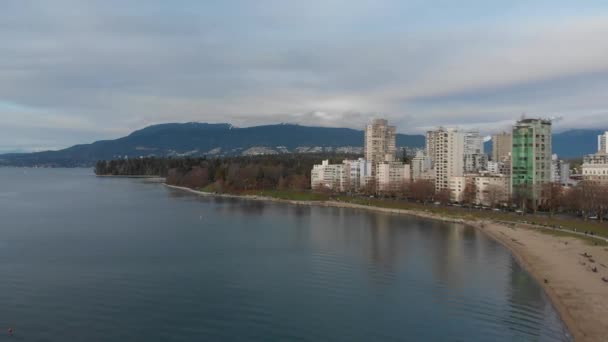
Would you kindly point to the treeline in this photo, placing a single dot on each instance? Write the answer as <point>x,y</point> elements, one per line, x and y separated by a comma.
<point>284,171</point>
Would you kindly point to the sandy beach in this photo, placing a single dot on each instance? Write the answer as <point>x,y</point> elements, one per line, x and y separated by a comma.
<point>569,269</point>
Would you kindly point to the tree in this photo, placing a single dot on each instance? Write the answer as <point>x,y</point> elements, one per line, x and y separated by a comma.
<point>553,197</point>
<point>443,196</point>
<point>370,187</point>
<point>422,190</point>
<point>495,195</point>
<point>523,196</point>
<point>469,193</point>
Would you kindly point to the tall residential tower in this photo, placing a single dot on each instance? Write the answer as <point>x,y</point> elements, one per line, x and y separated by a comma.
<point>447,155</point>
<point>502,144</point>
<point>380,144</point>
<point>531,158</point>
<point>602,143</point>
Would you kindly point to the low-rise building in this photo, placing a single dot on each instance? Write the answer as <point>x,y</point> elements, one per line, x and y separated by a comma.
<point>595,168</point>
<point>492,190</point>
<point>457,188</point>
<point>329,176</point>
<point>392,176</point>
<point>483,189</point>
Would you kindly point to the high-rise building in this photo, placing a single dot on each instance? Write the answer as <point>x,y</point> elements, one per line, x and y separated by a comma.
<point>502,144</point>
<point>473,142</point>
<point>448,156</point>
<point>379,142</point>
<point>475,159</point>
<point>560,170</point>
<point>602,143</point>
<point>531,158</point>
<point>421,165</point>
<point>358,173</point>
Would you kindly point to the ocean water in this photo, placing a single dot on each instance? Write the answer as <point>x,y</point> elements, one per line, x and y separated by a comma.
<point>108,259</point>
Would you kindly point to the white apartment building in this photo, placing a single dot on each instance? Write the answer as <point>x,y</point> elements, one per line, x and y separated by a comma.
<point>595,168</point>
<point>380,142</point>
<point>602,143</point>
<point>473,142</point>
<point>490,189</point>
<point>502,145</point>
<point>475,162</point>
<point>358,173</point>
<point>493,167</point>
<point>560,170</point>
<point>499,167</point>
<point>392,176</point>
<point>329,176</point>
<point>457,185</point>
<point>448,155</point>
<point>421,165</point>
<point>475,159</point>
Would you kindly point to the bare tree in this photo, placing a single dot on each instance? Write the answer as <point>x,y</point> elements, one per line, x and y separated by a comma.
<point>495,195</point>
<point>443,196</point>
<point>553,197</point>
<point>422,190</point>
<point>469,194</point>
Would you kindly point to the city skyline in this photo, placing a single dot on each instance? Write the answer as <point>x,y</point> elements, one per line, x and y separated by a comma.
<point>75,72</point>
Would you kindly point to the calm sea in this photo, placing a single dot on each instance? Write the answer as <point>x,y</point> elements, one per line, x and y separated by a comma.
<point>105,259</point>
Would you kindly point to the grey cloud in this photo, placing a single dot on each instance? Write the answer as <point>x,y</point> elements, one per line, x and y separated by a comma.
<point>108,67</point>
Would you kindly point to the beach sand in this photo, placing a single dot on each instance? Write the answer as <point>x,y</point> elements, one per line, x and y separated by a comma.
<point>557,262</point>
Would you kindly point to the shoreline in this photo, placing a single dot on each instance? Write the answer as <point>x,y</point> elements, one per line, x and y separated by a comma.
<point>557,263</point>
<point>150,178</point>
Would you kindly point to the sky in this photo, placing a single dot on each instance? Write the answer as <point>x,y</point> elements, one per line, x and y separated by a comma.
<point>74,71</point>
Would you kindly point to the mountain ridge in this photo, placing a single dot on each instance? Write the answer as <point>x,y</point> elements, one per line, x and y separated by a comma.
<point>199,139</point>
<point>223,139</point>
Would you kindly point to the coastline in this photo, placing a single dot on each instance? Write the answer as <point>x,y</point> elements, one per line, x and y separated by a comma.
<point>556,262</point>
<point>149,178</point>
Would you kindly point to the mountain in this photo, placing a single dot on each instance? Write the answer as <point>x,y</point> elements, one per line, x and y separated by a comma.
<point>576,143</point>
<point>570,144</point>
<point>198,139</point>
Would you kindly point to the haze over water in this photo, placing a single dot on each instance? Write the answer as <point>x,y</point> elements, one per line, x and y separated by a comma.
<point>106,259</point>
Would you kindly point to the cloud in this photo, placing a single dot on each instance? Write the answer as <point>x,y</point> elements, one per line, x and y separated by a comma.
<point>81,71</point>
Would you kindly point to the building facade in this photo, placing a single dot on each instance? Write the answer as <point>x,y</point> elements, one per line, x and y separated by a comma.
<point>475,163</point>
<point>595,168</point>
<point>482,189</point>
<point>492,190</point>
<point>448,158</point>
<point>457,187</point>
<point>380,143</point>
<point>560,170</point>
<point>531,158</point>
<point>329,176</point>
<point>392,176</point>
<point>358,174</point>
<point>421,165</point>
<point>602,143</point>
<point>502,144</point>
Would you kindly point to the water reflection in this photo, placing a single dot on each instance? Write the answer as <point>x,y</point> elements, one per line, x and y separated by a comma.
<point>111,258</point>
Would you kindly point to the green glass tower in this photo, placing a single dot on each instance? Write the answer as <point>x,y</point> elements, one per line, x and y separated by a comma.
<point>531,158</point>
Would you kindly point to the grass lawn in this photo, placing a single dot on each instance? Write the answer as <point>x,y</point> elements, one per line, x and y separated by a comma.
<point>289,195</point>
<point>600,229</point>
